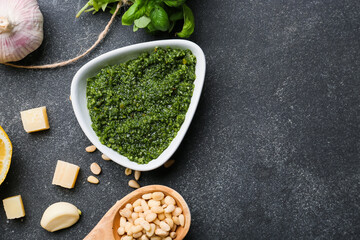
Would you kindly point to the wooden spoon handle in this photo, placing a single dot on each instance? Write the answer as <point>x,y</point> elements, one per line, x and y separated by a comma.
<point>103,230</point>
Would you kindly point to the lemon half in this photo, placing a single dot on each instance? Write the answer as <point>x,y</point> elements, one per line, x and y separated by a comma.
<point>5,154</point>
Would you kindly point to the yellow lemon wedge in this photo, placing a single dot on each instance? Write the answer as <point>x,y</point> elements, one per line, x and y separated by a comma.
<point>5,154</point>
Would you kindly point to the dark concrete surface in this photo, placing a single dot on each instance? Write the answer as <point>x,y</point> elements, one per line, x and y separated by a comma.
<point>272,152</point>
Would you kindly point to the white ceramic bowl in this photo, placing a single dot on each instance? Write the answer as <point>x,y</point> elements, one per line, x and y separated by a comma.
<point>90,69</point>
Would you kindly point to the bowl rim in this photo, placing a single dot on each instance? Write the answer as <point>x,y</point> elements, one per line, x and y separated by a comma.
<point>101,61</point>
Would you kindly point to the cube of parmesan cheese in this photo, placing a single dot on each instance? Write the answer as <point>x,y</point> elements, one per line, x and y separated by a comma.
<point>14,207</point>
<point>35,119</point>
<point>65,174</point>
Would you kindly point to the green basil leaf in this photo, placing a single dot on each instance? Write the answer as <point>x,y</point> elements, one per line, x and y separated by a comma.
<point>174,3</point>
<point>134,12</point>
<point>159,18</point>
<point>142,22</point>
<point>177,16</point>
<point>135,28</point>
<point>151,28</point>
<point>189,23</point>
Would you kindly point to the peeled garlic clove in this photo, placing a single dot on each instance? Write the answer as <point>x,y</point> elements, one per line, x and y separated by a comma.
<point>60,215</point>
<point>21,29</point>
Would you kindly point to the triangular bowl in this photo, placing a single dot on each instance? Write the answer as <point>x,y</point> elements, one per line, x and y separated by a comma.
<point>90,69</point>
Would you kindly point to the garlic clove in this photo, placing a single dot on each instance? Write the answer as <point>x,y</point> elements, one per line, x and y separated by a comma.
<point>21,29</point>
<point>59,215</point>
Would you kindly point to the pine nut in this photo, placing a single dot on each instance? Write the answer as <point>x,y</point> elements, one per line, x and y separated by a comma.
<point>138,209</point>
<point>177,211</point>
<point>173,235</point>
<point>139,220</point>
<point>168,238</point>
<point>134,216</point>
<point>156,238</point>
<point>129,206</point>
<point>144,205</point>
<point>152,230</point>
<point>153,203</point>
<point>93,180</point>
<point>95,168</point>
<point>157,222</point>
<point>169,222</point>
<point>161,232</point>
<point>136,229</point>
<point>158,196</point>
<point>169,200</point>
<point>125,213</point>
<point>157,209</point>
<point>146,196</point>
<point>182,220</point>
<point>90,149</point>
<point>173,229</point>
<point>144,237</point>
<point>145,225</point>
<point>127,238</point>
<point>176,220</point>
<point>137,175</point>
<point>137,235</point>
<point>106,158</point>
<point>161,216</point>
<point>169,209</point>
<point>70,97</point>
<point>122,221</point>
<point>128,171</point>
<point>121,231</point>
<point>169,163</point>
<point>151,217</point>
<point>133,184</point>
<point>128,227</point>
<point>137,203</point>
<point>164,226</point>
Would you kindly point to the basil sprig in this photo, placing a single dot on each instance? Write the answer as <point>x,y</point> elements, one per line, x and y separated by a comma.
<point>152,15</point>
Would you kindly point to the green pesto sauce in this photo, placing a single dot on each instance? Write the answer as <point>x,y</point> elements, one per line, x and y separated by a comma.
<point>137,107</point>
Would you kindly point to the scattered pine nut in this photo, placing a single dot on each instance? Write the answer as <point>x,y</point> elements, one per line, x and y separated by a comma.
<point>70,97</point>
<point>169,163</point>
<point>137,175</point>
<point>106,158</point>
<point>133,184</point>
<point>128,171</point>
<point>90,149</point>
<point>93,180</point>
<point>95,168</point>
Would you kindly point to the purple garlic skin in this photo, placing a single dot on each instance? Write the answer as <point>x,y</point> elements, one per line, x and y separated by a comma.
<point>21,29</point>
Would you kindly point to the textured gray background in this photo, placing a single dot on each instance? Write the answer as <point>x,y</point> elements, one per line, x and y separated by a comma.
<point>272,152</point>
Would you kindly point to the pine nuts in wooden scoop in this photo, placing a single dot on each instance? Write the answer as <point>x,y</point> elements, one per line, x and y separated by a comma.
<point>153,223</point>
<point>121,222</point>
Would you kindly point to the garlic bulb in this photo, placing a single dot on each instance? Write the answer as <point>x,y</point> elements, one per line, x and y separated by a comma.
<point>21,29</point>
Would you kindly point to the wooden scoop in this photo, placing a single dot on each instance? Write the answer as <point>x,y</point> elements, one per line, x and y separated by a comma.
<point>107,227</point>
